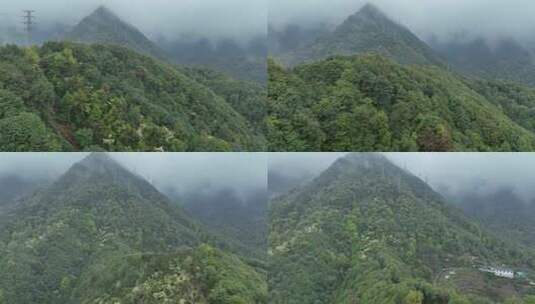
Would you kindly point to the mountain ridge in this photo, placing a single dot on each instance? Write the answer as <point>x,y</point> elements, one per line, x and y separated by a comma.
<point>367,231</point>
<point>104,26</point>
<point>102,234</point>
<point>368,30</point>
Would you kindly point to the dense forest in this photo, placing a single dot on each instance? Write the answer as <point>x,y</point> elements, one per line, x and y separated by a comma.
<point>370,103</point>
<point>366,231</point>
<point>101,234</point>
<point>370,84</point>
<point>67,96</point>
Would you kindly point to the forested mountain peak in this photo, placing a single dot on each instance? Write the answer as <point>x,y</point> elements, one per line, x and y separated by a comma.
<point>369,10</point>
<point>367,31</point>
<point>369,231</point>
<point>104,26</point>
<point>101,170</point>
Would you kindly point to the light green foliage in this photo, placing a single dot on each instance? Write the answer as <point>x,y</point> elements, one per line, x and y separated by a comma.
<point>369,103</point>
<point>115,99</point>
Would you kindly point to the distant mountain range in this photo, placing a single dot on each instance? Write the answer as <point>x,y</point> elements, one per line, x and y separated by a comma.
<point>366,231</point>
<point>102,234</point>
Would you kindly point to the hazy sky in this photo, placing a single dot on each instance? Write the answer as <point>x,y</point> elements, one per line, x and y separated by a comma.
<point>243,172</point>
<point>482,172</point>
<point>424,17</point>
<point>172,18</point>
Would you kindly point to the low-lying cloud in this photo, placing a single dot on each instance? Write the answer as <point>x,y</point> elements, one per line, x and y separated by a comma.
<point>172,19</point>
<point>489,18</point>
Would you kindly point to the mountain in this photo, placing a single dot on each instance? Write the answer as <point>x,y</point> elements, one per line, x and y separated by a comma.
<point>506,59</point>
<point>245,61</point>
<point>367,31</point>
<point>101,234</point>
<point>502,211</point>
<point>238,220</point>
<point>13,187</point>
<point>366,231</point>
<point>67,96</point>
<point>370,103</point>
<point>103,26</point>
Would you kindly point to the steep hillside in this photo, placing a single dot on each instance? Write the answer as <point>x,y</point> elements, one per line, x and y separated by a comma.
<point>247,98</point>
<point>67,96</point>
<point>102,233</point>
<point>366,231</point>
<point>369,103</point>
<point>367,31</point>
<point>104,27</point>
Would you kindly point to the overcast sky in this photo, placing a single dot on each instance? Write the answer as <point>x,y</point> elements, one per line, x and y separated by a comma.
<point>243,172</point>
<point>482,172</point>
<point>424,17</point>
<point>208,18</point>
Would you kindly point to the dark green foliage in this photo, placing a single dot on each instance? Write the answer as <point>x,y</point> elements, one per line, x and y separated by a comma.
<point>367,31</point>
<point>102,233</point>
<point>368,103</point>
<point>247,98</point>
<point>366,231</point>
<point>111,98</point>
<point>26,132</point>
<point>516,101</point>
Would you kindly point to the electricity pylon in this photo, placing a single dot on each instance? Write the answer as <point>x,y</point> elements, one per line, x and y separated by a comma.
<point>28,21</point>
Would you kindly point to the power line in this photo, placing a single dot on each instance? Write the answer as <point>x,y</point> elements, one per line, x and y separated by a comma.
<point>28,21</point>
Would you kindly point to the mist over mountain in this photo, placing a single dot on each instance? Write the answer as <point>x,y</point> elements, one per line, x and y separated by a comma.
<point>99,215</point>
<point>367,31</point>
<point>492,19</point>
<point>197,34</point>
<point>367,230</point>
<point>173,20</point>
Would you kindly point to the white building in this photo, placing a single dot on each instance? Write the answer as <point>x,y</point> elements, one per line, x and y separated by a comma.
<point>500,272</point>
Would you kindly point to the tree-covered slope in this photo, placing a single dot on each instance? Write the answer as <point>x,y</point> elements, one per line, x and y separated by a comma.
<point>366,231</point>
<point>104,27</point>
<point>369,103</point>
<point>247,98</point>
<point>73,242</point>
<point>367,31</point>
<point>67,96</point>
